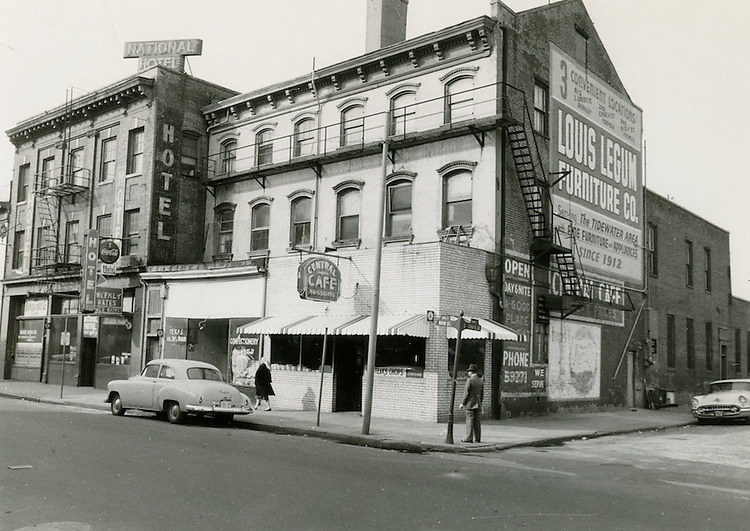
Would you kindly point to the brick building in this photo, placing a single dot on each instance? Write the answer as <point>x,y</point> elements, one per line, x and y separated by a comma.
<point>492,208</point>
<point>694,330</point>
<point>116,167</point>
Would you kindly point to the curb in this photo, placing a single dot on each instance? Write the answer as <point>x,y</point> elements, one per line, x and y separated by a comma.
<point>380,442</point>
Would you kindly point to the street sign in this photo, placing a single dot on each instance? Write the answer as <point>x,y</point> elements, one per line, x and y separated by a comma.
<point>472,324</point>
<point>447,320</point>
<point>453,320</point>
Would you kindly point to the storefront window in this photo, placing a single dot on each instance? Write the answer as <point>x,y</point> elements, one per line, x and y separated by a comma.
<point>472,351</point>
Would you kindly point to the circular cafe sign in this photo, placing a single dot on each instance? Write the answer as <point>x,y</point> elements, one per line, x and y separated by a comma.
<point>109,251</point>
<point>319,279</point>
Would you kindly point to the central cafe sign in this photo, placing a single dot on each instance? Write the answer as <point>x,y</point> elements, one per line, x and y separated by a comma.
<point>319,279</point>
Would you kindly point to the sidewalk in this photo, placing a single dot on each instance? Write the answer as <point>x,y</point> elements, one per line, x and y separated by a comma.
<point>404,435</point>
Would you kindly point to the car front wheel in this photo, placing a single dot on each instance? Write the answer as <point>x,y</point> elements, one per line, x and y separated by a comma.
<point>174,414</point>
<point>116,405</point>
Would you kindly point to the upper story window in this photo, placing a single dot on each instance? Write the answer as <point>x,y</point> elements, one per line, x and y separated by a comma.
<point>541,109</point>
<point>22,190</point>
<point>301,221</point>
<point>75,166</point>
<point>459,100</point>
<point>651,250</point>
<point>72,251</point>
<point>709,346</point>
<point>690,342</point>
<point>707,268</point>
<point>18,249</point>
<point>108,159</point>
<point>264,147</point>
<point>104,225</point>
<point>457,193</point>
<point>189,153</point>
<point>398,207</point>
<point>688,263</point>
<point>48,177</point>
<point>260,223</point>
<point>347,218</point>
<point>227,156</point>
<point>130,231</point>
<point>353,125</point>
<point>403,110</point>
<point>304,137</point>
<point>135,151</point>
<point>225,229</point>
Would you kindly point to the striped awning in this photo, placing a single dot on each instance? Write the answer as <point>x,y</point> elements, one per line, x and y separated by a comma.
<point>392,325</point>
<point>490,330</point>
<point>348,325</point>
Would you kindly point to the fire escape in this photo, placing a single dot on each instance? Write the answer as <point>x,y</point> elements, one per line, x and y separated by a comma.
<point>52,258</point>
<point>551,246</point>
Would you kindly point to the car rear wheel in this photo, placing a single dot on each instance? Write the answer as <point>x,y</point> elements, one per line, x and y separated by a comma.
<point>116,405</point>
<point>174,414</point>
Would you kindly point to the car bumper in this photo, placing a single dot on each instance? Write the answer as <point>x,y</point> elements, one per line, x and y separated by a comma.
<point>739,413</point>
<point>217,410</point>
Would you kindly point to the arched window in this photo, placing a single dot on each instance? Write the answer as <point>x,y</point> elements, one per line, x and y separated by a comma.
<point>398,208</point>
<point>459,100</point>
<point>264,147</point>
<point>402,113</point>
<point>260,221</point>
<point>347,219</point>
<point>353,125</point>
<point>227,157</point>
<point>304,137</point>
<point>301,221</point>
<point>457,199</point>
<point>224,229</point>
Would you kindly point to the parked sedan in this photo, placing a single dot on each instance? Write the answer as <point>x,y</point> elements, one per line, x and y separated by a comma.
<point>176,388</point>
<point>725,400</point>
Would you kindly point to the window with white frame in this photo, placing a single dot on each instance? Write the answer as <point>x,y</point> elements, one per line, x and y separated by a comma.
<point>18,249</point>
<point>22,192</point>
<point>398,208</point>
<point>264,147</point>
<point>108,159</point>
<point>457,206</point>
<point>135,151</point>
<point>48,177</point>
<point>72,251</point>
<point>353,125</point>
<point>301,221</point>
<point>260,223</point>
<point>403,110</point>
<point>347,219</point>
<point>75,167</point>
<point>304,137</point>
<point>459,99</point>
<point>227,156</point>
<point>131,231</point>
<point>189,153</point>
<point>224,228</point>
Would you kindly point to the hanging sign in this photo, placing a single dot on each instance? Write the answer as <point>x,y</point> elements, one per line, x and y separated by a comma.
<point>109,251</point>
<point>88,279</point>
<point>319,279</point>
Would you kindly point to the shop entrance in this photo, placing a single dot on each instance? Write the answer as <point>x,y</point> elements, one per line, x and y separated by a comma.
<point>348,370</point>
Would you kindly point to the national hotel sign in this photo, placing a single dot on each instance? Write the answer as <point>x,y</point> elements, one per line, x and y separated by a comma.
<point>170,54</point>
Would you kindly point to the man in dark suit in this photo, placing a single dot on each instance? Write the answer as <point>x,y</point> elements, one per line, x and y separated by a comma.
<point>473,397</point>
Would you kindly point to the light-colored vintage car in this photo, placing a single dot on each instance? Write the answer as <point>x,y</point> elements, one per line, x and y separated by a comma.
<point>176,388</point>
<point>725,400</point>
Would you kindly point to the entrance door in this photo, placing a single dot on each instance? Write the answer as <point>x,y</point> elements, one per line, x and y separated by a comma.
<point>348,370</point>
<point>723,361</point>
<point>88,361</point>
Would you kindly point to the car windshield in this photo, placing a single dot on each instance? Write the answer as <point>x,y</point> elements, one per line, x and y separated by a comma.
<point>729,386</point>
<point>204,373</point>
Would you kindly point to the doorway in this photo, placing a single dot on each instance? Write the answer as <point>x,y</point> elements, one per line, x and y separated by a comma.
<point>349,360</point>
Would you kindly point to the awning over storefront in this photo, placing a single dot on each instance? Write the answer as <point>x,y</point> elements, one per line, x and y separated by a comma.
<point>490,330</point>
<point>347,325</point>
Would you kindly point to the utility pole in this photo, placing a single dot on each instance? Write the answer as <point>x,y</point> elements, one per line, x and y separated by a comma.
<point>373,342</point>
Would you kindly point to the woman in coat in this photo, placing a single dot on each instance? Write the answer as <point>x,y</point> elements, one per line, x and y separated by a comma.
<point>263,388</point>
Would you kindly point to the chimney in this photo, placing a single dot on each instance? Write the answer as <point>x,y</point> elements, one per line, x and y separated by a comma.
<point>386,23</point>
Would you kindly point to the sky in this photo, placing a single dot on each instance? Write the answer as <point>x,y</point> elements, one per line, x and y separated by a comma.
<point>685,63</point>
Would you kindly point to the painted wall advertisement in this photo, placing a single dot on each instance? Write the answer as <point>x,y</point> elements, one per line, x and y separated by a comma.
<point>521,376</point>
<point>574,371</point>
<point>596,140</point>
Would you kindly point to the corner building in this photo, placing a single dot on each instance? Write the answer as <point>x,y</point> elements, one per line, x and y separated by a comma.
<point>115,169</point>
<point>511,178</point>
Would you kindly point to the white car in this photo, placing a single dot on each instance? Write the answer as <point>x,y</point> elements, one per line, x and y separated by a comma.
<point>176,388</point>
<point>725,400</point>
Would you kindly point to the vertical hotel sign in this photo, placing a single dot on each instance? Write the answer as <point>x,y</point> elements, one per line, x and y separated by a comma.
<point>88,279</point>
<point>166,189</point>
<point>596,140</point>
